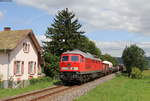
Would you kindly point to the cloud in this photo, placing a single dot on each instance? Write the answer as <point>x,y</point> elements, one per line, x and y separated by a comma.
<point>116,48</point>
<point>41,38</point>
<point>1,15</point>
<point>129,15</point>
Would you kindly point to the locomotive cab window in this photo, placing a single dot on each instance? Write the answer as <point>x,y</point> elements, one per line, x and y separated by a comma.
<point>65,58</point>
<point>74,58</point>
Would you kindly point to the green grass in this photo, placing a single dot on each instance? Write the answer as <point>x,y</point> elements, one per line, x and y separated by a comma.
<point>12,92</point>
<point>121,89</point>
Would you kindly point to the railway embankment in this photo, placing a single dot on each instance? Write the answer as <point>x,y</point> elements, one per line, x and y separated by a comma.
<point>75,93</point>
<point>60,93</point>
<point>5,93</point>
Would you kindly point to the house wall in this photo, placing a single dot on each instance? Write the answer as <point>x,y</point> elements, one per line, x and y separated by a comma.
<point>4,65</point>
<point>18,55</point>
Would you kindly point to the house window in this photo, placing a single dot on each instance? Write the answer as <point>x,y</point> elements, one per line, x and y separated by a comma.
<point>26,47</point>
<point>32,67</point>
<point>18,67</point>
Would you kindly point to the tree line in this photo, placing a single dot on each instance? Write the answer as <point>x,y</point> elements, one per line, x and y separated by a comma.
<point>65,34</point>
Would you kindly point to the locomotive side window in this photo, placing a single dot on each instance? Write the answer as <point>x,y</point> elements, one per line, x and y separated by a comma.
<point>74,58</point>
<point>65,58</point>
<point>81,60</point>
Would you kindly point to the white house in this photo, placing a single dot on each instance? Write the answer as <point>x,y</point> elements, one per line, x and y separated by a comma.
<point>20,55</point>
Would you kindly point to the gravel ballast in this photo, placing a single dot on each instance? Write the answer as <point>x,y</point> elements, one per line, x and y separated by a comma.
<point>76,92</point>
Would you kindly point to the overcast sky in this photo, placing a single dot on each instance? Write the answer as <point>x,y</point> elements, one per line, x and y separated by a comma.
<point>112,24</point>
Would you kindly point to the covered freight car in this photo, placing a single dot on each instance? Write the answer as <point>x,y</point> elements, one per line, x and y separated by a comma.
<point>108,67</point>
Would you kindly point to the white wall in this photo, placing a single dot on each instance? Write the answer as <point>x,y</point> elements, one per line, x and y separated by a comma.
<point>4,65</point>
<point>18,55</point>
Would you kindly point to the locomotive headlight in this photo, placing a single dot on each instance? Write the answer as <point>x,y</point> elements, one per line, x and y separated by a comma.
<point>69,68</point>
<point>64,68</point>
<point>74,68</point>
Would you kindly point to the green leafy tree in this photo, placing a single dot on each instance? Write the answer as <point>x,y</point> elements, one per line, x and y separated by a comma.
<point>134,56</point>
<point>51,67</point>
<point>89,46</point>
<point>93,49</point>
<point>107,57</point>
<point>64,33</point>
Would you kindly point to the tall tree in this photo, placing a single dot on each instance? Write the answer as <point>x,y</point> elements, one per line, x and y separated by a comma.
<point>64,33</point>
<point>134,56</point>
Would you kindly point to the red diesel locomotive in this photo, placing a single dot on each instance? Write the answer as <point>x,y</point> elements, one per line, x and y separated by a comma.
<point>77,66</point>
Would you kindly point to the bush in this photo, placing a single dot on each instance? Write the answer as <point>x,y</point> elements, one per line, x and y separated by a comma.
<point>1,76</point>
<point>1,84</point>
<point>51,67</point>
<point>136,73</point>
<point>41,79</point>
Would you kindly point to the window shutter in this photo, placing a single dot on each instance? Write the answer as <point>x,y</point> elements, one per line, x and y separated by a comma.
<point>14,67</point>
<point>34,67</point>
<point>22,67</point>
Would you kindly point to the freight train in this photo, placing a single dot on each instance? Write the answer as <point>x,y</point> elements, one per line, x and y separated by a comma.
<point>78,66</point>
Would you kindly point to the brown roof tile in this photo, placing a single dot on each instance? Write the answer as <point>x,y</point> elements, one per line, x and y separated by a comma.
<point>10,39</point>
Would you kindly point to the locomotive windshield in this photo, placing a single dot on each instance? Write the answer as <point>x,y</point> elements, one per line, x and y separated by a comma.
<point>74,58</point>
<point>65,58</point>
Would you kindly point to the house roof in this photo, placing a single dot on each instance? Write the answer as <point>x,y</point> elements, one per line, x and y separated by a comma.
<point>10,39</point>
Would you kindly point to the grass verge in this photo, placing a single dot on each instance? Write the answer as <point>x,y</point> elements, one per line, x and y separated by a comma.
<point>11,92</point>
<point>121,88</point>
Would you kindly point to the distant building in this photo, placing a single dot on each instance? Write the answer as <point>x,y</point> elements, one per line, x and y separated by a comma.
<point>20,56</point>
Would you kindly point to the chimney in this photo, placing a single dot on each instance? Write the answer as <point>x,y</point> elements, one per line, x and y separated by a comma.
<point>7,28</point>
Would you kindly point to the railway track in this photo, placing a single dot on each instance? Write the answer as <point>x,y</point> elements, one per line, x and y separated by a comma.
<point>40,94</point>
<point>50,93</point>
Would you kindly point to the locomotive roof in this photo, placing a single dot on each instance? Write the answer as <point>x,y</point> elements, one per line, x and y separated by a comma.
<point>87,55</point>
